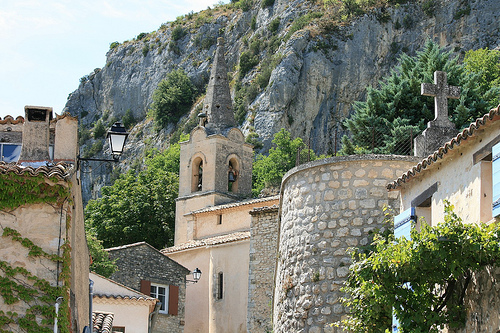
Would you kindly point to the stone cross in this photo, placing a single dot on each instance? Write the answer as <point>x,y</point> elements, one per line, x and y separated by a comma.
<point>441,92</point>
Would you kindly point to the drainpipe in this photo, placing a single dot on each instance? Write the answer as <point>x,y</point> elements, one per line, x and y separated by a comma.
<point>152,317</point>
<point>91,296</point>
<point>58,302</point>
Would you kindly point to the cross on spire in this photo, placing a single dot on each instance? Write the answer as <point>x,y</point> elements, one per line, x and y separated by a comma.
<point>441,92</point>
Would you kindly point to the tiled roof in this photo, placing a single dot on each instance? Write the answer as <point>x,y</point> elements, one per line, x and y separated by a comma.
<point>491,116</point>
<point>11,120</point>
<point>264,209</point>
<point>128,246</point>
<point>234,204</point>
<point>236,236</point>
<point>60,170</point>
<point>125,292</point>
<point>102,322</point>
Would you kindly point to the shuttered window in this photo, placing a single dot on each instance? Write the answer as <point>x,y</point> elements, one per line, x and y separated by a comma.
<point>168,295</point>
<point>403,223</point>
<point>495,152</point>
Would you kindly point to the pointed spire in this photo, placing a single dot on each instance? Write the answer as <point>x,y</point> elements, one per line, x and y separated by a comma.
<point>218,105</point>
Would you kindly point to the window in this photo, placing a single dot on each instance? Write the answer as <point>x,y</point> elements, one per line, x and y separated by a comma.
<point>403,223</point>
<point>423,206</point>
<point>220,285</point>
<point>10,152</point>
<point>219,219</point>
<point>232,176</point>
<point>167,294</point>
<point>197,178</point>
<point>118,329</point>
<point>160,292</point>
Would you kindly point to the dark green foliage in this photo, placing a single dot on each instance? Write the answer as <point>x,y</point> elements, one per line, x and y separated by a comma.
<point>92,150</point>
<point>438,263</point>
<point>274,25</point>
<point>398,107</point>
<point>486,64</point>
<point>269,170</point>
<point>244,5</point>
<point>141,35</point>
<point>428,6</point>
<point>99,130</point>
<point>145,50</point>
<point>253,24</point>
<point>139,207</point>
<point>101,264</point>
<point>462,12</point>
<point>253,139</point>
<point>178,32</point>
<point>128,119</point>
<point>172,99</point>
<point>408,21</point>
<point>83,134</point>
<point>113,45</point>
<point>267,3</point>
<point>301,23</point>
<point>247,62</point>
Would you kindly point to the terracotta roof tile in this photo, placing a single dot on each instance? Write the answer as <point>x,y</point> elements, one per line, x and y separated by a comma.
<point>60,170</point>
<point>11,120</point>
<point>236,236</point>
<point>491,116</point>
<point>102,322</point>
<point>234,204</point>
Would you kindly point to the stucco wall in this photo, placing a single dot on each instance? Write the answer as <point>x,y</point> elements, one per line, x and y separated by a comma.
<point>263,249</point>
<point>132,314</point>
<point>327,206</point>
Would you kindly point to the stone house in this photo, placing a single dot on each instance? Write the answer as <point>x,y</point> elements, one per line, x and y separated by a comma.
<point>41,217</point>
<point>118,308</point>
<point>471,158</point>
<point>213,224</point>
<point>143,268</point>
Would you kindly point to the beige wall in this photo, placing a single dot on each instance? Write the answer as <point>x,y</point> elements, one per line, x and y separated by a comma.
<point>465,184</point>
<point>205,313</point>
<point>129,313</point>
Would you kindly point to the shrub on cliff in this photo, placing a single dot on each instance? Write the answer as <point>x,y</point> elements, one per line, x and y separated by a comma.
<point>172,98</point>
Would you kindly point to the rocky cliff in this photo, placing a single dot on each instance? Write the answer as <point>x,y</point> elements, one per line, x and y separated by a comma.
<point>310,62</point>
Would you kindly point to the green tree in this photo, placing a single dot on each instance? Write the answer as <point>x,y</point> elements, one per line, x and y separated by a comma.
<point>99,130</point>
<point>268,170</point>
<point>128,119</point>
<point>486,63</point>
<point>423,279</point>
<point>397,107</point>
<point>172,98</point>
<point>101,264</point>
<point>139,207</point>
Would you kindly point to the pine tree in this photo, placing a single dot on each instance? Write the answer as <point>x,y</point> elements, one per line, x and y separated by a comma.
<point>396,111</point>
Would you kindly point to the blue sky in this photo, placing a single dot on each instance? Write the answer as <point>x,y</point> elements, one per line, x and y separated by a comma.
<point>47,46</point>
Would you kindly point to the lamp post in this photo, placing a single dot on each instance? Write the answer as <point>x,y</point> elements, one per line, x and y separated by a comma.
<point>116,136</point>
<point>196,275</point>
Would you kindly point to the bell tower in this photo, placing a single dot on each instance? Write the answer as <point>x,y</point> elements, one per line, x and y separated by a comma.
<point>215,163</point>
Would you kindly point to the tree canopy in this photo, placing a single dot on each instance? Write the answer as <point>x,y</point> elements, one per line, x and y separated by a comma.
<point>396,110</point>
<point>268,170</point>
<point>172,98</point>
<point>423,279</point>
<point>139,207</point>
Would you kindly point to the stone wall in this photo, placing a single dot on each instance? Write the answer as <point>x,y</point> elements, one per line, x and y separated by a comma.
<point>327,206</point>
<point>141,261</point>
<point>263,248</point>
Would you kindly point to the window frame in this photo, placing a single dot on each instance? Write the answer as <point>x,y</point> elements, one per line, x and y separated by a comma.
<point>165,305</point>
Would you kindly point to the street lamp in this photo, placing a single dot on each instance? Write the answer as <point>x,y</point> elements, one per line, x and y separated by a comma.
<point>117,136</point>
<point>196,275</point>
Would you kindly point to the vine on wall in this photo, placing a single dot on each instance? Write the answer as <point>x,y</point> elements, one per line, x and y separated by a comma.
<point>17,284</point>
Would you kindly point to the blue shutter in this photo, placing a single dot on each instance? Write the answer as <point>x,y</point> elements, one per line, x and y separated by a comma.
<point>402,228</point>
<point>496,179</point>
<point>403,222</point>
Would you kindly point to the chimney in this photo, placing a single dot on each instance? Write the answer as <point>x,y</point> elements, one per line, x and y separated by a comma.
<point>36,136</point>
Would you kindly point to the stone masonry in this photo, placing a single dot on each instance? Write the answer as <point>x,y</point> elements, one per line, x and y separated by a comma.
<point>141,261</point>
<point>263,248</point>
<point>327,206</point>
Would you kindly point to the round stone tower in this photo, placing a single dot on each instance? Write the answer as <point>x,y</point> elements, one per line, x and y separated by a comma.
<point>327,206</point>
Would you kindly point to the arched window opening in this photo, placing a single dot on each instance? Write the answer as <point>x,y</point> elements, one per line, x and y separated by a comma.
<point>197,179</point>
<point>232,176</point>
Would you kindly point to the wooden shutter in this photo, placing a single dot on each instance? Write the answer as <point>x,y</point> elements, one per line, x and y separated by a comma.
<point>173,300</point>
<point>403,223</point>
<point>495,152</point>
<point>146,287</point>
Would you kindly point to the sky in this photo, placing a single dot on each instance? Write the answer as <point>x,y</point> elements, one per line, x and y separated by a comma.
<point>47,46</point>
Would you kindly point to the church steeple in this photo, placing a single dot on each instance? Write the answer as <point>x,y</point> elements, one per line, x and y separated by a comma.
<point>218,105</point>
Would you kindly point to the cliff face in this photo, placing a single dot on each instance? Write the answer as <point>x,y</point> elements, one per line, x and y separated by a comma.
<point>315,77</point>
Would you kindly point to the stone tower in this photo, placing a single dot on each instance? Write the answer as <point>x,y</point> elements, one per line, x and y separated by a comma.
<point>216,163</point>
